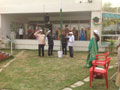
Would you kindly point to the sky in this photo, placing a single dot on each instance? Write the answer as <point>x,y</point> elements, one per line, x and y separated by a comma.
<point>115,3</point>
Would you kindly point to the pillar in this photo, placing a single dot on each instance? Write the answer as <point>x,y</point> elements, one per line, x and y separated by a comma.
<point>97,26</point>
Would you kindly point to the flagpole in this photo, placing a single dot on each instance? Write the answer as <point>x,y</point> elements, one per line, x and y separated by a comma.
<point>61,24</point>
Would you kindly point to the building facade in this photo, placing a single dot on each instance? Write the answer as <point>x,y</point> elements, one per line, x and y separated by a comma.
<point>43,14</point>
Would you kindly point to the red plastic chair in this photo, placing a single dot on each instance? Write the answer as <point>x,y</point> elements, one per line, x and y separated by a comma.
<point>100,59</point>
<point>102,56</point>
<point>94,69</point>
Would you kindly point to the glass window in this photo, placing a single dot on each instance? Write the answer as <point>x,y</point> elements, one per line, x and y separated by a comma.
<point>110,31</point>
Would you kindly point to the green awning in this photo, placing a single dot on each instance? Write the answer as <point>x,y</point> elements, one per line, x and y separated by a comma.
<point>110,15</point>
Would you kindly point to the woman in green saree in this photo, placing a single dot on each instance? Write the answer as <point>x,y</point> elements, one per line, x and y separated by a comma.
<point>92,48</point>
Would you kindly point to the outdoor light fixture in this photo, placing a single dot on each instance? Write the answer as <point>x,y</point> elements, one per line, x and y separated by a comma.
<point>90,1</point>
<point>78,1</point>
<point>83,1</point>
<point>46,18</point>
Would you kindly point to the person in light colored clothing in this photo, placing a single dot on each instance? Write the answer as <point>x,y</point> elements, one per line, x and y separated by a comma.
<point>41,41</point>
<point>21,32</point>
<point>118,72</point>
<point>70,43</point>
<point>118,47</point>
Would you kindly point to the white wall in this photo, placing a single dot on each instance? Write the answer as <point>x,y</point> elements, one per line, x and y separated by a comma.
<point>38,6</point>
<point>6,21</point>
<point>66,16</point>
<point>33,44</point>
<point>5,26</point>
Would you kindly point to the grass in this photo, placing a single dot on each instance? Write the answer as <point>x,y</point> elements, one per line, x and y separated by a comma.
<point>30,72</point>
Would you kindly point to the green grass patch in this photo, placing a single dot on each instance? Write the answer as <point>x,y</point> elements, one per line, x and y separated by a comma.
<point>31,72</point>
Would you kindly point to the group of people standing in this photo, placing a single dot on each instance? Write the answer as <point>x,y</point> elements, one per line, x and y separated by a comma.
<point>83,34</point>
<point>41,37</point>
<point>66,41</point>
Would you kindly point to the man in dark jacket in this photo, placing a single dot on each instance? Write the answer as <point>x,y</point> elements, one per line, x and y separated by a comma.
<point>50,43</point>
<point>64,43</point>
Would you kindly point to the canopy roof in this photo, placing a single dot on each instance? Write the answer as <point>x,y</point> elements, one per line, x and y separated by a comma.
<point>111,15</point>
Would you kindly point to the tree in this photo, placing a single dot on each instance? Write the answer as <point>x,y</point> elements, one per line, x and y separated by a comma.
<point>107,7</point>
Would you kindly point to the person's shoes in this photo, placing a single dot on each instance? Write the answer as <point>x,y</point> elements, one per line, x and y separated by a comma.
<point>71,56</point>
<point>49,55</point>
<point>113,80</point>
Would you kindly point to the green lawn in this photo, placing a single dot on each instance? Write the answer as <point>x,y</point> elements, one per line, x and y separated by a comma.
<point>30,72</point>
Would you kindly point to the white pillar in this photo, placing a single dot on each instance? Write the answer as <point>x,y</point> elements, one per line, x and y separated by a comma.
<point>99,25</point>
<point>0,31</point>
<point>0,26</point>
<point>26,28</point>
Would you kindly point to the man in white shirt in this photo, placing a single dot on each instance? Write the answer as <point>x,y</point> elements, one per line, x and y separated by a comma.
<point>21,32</point>
<point>70,43</point>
